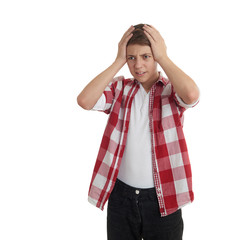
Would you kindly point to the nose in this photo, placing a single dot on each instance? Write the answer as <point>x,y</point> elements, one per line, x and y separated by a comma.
<point>138,63</point>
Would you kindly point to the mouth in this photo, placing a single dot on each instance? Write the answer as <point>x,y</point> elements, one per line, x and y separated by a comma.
<point>140,74</point>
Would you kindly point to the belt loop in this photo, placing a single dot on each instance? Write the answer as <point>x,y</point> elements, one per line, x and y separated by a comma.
<point>116,186</point>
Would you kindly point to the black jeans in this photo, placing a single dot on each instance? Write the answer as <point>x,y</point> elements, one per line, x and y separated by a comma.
<point>133,213</point>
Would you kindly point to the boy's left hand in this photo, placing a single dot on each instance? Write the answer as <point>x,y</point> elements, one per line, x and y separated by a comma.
<point>158,45</point>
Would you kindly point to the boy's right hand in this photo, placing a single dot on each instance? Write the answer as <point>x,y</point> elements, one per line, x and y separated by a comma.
<point>122,45</point>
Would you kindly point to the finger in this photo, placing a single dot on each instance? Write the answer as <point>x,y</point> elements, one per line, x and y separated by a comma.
<point>148,31</point>
<point>129,31</point>
<point>127,34</point>
<point>127,38</point>
<point>152,31</point>
<point>149,36</point>
<point>147,27</point>
<point>150,27</point>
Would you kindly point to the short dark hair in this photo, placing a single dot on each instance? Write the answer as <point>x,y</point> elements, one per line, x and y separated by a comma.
<point>139,37</point>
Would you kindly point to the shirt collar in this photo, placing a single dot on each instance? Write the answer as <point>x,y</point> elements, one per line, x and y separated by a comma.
<point>162,79</point>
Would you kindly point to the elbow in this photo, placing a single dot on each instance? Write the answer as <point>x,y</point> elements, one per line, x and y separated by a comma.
<point>192,96</point>
<point>82,103</point>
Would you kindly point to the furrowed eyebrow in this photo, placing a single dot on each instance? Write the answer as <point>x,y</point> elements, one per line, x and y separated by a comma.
<point>146,54</point>
<point>140,55</point>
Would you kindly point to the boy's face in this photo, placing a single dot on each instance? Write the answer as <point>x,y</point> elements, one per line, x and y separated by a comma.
<point>142,65</point>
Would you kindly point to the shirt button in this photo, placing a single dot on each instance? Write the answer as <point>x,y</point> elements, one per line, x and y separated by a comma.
<point>137,191</point>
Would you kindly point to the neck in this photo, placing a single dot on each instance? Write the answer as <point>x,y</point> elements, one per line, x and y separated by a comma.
<point>148,85</point>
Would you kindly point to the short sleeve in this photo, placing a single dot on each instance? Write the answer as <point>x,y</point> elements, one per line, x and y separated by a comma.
<point>100,104</point>
<point>105,102</point>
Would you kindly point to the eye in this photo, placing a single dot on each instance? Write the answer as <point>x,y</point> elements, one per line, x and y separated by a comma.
<point>146,56</point>
<point>131,58</point>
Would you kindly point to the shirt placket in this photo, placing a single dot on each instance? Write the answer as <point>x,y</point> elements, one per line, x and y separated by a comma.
<point>156,177</point>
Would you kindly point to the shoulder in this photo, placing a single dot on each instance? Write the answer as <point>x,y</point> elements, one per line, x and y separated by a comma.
<point>167,86</point>
<point>122,82</point>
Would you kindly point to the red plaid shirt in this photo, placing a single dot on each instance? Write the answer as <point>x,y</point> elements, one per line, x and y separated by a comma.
<point>171,166</point>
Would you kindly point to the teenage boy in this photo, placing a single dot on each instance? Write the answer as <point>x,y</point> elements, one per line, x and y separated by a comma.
<point>142,167</point>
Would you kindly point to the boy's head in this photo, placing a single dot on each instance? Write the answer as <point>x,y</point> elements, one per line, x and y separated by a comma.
<point>139,37</point>
<point>140,59</point>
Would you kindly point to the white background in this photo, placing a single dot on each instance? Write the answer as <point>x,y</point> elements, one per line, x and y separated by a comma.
<point>49,51</point>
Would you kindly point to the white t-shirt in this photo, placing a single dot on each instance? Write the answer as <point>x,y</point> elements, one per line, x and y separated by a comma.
<point>136,166</point>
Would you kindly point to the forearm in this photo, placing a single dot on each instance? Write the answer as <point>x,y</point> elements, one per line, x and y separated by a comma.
<point>93,91</point>
<point>183,85</point>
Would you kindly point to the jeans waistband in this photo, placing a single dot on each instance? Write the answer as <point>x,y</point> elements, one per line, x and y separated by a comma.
<point>134,192</point>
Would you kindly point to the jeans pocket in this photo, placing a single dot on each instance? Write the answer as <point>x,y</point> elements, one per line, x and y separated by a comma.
<point>174,220</point>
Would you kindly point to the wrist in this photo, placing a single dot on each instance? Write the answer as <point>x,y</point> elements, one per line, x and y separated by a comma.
<point>119,62</point>
<point>163,60</point>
